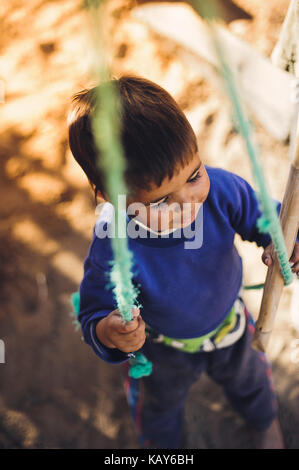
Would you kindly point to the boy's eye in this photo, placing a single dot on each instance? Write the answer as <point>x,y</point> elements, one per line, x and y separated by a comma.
<point>195,178</point>
<point>159,205</point>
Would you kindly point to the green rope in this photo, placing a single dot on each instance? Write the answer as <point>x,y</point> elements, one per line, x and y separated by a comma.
<point>254,286</point>
<point>75,300</point>
<point>140,366</point>
<point>106,125</point>
<point>268,222</point>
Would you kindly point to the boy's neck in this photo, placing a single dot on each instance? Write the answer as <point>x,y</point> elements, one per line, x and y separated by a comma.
<point>149,229</point>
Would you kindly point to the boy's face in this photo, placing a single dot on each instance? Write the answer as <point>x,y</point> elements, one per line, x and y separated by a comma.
<point>175,203</point>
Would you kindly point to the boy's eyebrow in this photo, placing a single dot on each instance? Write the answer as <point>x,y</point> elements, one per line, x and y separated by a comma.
<point>162,197</point>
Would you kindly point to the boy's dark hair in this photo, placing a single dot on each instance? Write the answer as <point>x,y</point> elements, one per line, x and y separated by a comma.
<point>156,136</point>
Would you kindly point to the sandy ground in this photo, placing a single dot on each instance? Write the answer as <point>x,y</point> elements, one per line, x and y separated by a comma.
<point>54,392</point>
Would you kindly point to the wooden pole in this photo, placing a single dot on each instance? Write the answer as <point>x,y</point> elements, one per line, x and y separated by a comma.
<point>289,219</point>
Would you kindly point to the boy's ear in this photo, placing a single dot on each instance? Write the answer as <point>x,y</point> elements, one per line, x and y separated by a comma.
<point>100,196</point>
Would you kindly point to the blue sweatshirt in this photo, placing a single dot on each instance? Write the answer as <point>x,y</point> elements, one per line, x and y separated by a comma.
<point>185,293</point>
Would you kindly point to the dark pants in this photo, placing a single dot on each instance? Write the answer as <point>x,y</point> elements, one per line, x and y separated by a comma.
<point>157,402</point>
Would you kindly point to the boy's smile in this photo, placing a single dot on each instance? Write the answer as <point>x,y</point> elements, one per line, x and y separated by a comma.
<point>175,203</point>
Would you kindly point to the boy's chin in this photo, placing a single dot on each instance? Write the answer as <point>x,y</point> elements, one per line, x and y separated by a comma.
<point>186,222</point>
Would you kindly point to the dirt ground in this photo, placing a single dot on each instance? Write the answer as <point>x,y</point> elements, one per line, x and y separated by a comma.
<point>54,392</point>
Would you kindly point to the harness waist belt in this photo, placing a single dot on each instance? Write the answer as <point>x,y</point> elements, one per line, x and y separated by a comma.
<point>227,333</point>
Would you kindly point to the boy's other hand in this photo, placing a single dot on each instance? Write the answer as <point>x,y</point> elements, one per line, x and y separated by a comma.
<point>267,257</point>
<point>113,332</point>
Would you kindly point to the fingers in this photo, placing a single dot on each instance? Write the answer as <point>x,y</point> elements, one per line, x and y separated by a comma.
<point>295,268</point>
<point>130,326</point>
<point>138,334</point>
<point>129,342</point>
<point>129,336</point>
<point>267,260</point>
<point>295,259</point>
<point>295,255</point>
<point>267,255</point>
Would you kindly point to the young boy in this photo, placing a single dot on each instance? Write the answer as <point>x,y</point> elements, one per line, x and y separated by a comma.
<point>186,266</point>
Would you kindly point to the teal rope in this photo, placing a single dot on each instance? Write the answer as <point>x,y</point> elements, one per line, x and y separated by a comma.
<point>268,222</point>
<point>106,126</point>
<point>75,300</point>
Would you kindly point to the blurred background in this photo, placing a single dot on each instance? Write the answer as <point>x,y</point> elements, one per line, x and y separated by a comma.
<point>54,392</point>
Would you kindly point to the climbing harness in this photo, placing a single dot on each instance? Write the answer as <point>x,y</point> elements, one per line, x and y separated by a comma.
<point>226,334</point>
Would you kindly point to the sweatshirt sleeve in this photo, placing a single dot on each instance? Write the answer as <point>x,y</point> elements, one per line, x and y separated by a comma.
<point>244,212</point>
<point>96,302</point>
